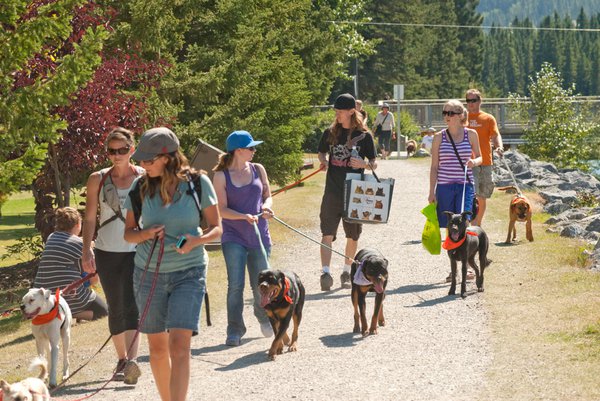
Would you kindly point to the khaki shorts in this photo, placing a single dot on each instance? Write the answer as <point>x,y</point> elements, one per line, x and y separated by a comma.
<point>484,184</point>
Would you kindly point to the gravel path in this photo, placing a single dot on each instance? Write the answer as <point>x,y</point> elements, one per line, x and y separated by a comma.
<point>434,347</point>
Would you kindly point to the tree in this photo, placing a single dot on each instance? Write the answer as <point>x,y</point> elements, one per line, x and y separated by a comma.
<point>41,65</point>
<point>256,65</point>
<point>561,131</point>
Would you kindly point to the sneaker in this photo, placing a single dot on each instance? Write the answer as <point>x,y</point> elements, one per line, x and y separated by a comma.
<point>345,279</point>
<point>233,341</point>
<point>131,372</point>
<point>326,281</point>
<point>266,329</point>
<point>119,376</point>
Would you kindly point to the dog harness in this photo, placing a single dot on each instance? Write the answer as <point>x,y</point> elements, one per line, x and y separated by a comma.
<point>48,317</point>
<point>517,199</point>
<point>359,277</point>
<point>450,245</point>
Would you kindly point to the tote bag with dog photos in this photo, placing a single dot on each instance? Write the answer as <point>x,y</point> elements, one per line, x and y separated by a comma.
<point>367,199</point>
<point>431,238</point>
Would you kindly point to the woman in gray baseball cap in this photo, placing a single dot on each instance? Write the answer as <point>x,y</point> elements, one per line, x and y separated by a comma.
<point>169,211</point>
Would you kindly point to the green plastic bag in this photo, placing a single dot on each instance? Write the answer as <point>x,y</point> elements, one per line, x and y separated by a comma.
<point>431,238</point>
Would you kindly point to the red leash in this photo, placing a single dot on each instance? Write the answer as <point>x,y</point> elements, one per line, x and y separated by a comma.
<point>77,283</point>
<point>142,316</point>
<point>296,183</point>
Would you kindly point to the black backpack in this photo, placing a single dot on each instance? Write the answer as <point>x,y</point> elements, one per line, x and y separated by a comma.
<point>194,189</point>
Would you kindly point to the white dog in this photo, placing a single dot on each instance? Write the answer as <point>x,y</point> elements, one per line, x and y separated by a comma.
<point>51,322</point>
<point>30,389</point>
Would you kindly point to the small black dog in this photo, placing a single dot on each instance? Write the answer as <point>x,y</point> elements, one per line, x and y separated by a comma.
<point>282,295</point>
<point>372,275</point>
<point>462,245</point>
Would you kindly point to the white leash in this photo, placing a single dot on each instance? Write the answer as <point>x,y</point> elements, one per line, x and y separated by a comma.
<point>462,207</point>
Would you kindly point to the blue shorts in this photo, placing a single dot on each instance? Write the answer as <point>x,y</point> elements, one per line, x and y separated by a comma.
<point>176,300</point>
<point>449,199</point>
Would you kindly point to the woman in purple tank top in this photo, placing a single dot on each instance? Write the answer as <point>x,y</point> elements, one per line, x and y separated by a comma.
<point>243,193</point>
<point>447,175</point>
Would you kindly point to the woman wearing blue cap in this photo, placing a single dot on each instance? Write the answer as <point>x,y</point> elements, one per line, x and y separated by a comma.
<point>244,194</point>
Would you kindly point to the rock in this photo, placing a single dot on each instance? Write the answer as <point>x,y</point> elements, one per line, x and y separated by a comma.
<point>594,224</point>
<point>556,219</point>
<point>564,196</point>
<point>556,207</point>
<point>544,166</point>
<point>572,231</point>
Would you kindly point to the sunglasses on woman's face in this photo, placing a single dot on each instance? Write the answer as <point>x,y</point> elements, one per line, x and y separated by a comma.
<point>472,100</point>
<point>251,149</point>
<point>119,151</point>
<point>451,113</point>
<point>150,161</point>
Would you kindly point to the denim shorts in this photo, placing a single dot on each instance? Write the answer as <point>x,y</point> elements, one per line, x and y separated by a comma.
<point>176,300</point>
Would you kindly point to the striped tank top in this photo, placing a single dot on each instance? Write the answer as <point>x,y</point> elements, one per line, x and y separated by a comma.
<point>450,170</point>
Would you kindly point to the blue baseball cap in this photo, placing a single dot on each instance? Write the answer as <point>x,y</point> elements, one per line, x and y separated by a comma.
<point>240,140</point>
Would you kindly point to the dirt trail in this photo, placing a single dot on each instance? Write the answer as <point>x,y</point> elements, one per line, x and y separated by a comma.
<point>434,347</point>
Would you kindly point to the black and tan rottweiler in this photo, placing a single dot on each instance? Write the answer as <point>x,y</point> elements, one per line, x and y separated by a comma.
<point>282,295</point>
<point>369,273</point>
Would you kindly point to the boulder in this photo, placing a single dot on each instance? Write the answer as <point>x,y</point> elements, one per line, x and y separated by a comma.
<point>572,231</point>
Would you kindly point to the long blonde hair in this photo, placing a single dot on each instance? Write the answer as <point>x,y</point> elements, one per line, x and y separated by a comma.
<point>356,124</point>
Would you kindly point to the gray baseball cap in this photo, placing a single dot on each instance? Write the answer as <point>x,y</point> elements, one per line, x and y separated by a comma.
<point>154,142</point>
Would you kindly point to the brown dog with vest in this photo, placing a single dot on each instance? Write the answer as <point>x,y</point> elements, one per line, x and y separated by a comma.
<point>519,210</point>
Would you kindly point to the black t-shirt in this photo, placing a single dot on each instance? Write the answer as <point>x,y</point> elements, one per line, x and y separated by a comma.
<point>339,156</point>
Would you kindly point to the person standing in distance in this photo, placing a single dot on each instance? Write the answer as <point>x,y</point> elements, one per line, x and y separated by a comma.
<point>489,139</point>
<point>346,134</point>
<point>385,120</point>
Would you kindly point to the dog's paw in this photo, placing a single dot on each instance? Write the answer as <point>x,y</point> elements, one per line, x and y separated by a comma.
<point>365,333</point>
<point>356,330</point>
<point>382,323</point>
<point>452,291</point>
<point>271,357</point>
<point>293,348</point>
<point>480,289</point>
<point>373,331</point>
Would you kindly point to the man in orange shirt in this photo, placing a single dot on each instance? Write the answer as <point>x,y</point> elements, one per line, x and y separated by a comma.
<point>489,138</point>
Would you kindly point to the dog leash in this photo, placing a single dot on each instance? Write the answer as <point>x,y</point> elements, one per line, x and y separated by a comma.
<point>312,239</point>
<point>512,176</point>
<point>462,206</point>
<point>142,316</point>
<point>278,191</point>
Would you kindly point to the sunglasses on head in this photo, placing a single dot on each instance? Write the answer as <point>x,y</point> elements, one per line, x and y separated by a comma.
<point>472,100</point>
<point>120,151</point>
<point>451,113</point>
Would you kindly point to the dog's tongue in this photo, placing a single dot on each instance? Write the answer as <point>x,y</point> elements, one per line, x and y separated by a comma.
<point>265,299</point>
<point>378,286</point>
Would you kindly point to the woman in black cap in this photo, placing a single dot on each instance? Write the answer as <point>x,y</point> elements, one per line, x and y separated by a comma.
<point>342,149</point>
